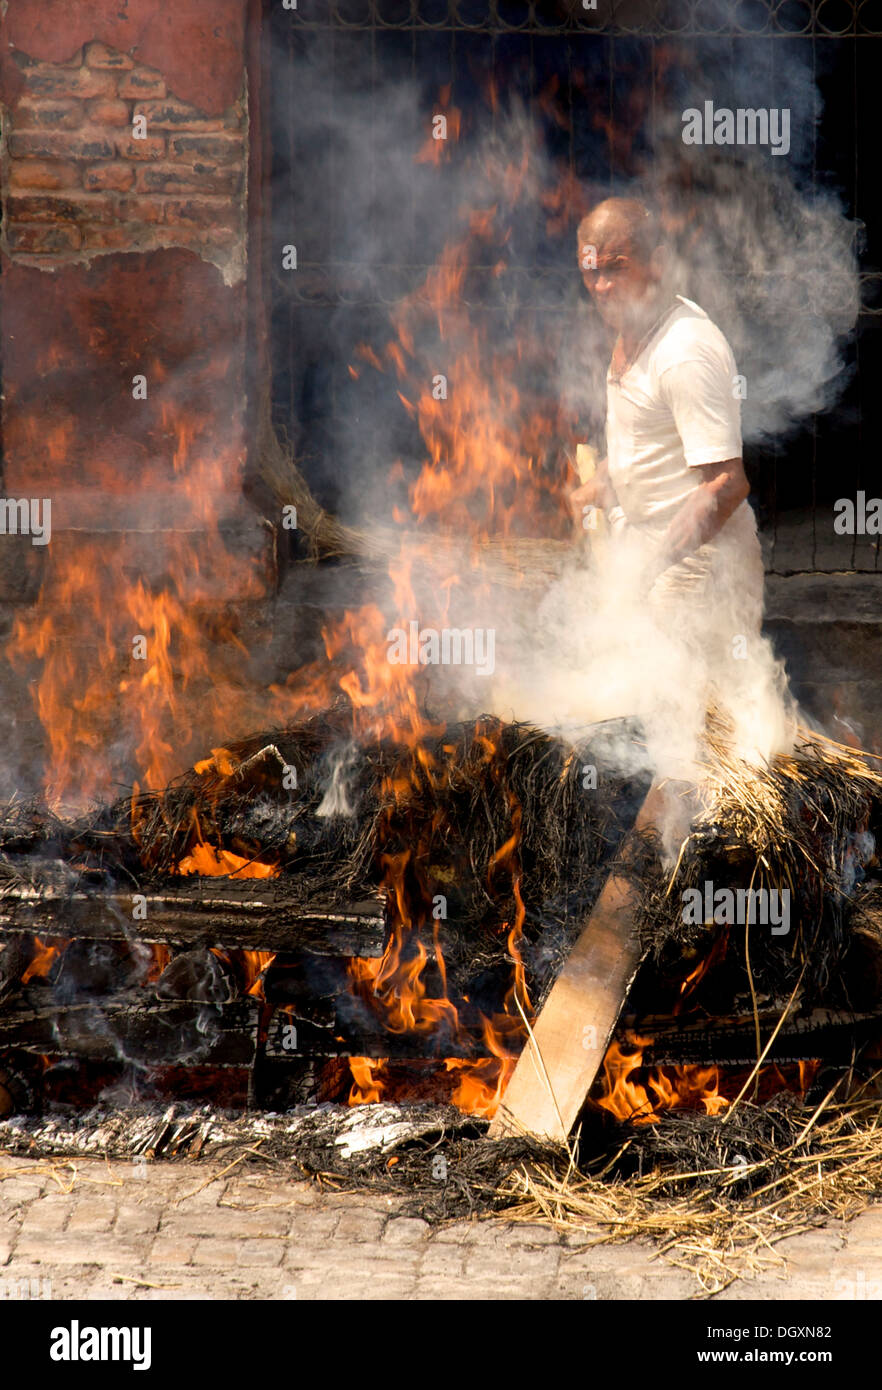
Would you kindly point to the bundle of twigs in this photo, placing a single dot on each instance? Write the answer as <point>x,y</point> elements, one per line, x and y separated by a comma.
<point>806,822</point>
<point>716,1195</point>
<point>799,810</point>
<point>460,798</point>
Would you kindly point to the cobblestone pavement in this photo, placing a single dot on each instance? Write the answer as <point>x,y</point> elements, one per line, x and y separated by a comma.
<point>95,1229</point>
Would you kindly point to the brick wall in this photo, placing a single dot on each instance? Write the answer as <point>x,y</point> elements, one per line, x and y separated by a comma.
<point>78,181</point>
<point>124,256</point>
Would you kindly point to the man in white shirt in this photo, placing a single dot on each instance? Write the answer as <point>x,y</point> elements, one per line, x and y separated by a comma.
<point>673,483</point>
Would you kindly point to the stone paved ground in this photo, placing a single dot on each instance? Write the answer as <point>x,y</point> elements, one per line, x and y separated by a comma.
<point>98,1230</point>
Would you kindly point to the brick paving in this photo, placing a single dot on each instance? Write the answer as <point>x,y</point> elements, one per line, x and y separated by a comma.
<point>95,1229</point>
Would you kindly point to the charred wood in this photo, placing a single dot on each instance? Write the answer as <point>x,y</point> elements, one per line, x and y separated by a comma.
<point>133,1027</point>
<point>199,976</point>
<point>15,957</point>
<point>357,1033</point>
<point>246,914</point>
<point>834,1034</point>
<point>86,969</point>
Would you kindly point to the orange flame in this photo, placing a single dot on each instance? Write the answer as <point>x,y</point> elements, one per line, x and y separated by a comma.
<point>666,1087</point>
<point>160,957</point>
<point>214,863</point>
<point>48,948</point>
<point>367,1085</point>
<point>150,672</point>
<point>395,984</point>
<point>436,147</point>
<point>663,1088</point>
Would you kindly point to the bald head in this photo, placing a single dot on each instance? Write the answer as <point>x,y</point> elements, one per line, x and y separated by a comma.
<point>621,261</point>
<point>620,226</point>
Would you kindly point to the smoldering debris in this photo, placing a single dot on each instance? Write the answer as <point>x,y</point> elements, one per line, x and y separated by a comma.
<point>808,824</point>
<point>714,1194</point>
<point>450,811</point>
<point>432,1154</point>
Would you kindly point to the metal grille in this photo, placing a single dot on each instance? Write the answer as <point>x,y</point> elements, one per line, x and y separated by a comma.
<point>796,480</point>
<point>613,18</point>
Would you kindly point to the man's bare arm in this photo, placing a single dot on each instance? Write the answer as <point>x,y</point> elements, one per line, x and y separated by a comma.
<point>724,487</point>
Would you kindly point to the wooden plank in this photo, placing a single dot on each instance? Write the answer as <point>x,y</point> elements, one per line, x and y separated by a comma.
<point>557,1068</point>
<point>134,1026</point>
<point>248,914</point>
<point>290,1037</point>
<point>731,1041</point>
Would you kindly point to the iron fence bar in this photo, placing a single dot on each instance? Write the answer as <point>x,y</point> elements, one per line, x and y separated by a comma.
<point>653,18</point>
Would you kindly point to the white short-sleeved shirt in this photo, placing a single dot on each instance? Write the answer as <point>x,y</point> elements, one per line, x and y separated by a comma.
<point>675,408</point>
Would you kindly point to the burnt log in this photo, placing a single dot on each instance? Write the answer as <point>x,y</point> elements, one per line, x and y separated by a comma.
<point>290,1037</point>
<point>247,914</point>
<point>19,1085</point>
<point>135,1027</point>
<point>833,1034</point>
<point>15,956</point>
<point>87,968</point>
<point>199,976</point>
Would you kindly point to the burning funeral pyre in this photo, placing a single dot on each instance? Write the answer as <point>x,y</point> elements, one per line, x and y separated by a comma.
<point>235,938</point>
<point>497,964</point>
<point>402,948</point>
<point>369,910</point>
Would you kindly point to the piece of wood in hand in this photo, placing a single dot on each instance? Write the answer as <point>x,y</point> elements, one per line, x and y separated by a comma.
<point>586,466</point>
<point>560,1062</point>
<point>586,462</point>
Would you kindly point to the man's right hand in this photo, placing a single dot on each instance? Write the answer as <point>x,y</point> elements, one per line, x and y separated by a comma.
<point>583,496</point>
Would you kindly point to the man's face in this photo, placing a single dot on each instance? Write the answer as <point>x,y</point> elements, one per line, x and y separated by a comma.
<point>615,277</point>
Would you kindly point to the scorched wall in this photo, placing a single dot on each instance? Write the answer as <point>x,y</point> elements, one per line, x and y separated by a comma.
<point>124,170</point>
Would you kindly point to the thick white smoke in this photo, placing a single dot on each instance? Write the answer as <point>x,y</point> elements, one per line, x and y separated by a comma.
<point>756,240</point>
